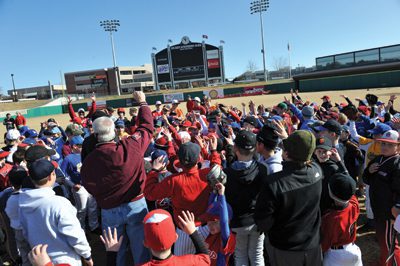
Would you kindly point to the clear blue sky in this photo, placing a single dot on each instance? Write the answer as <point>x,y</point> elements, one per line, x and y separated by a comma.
<point>43,37</point>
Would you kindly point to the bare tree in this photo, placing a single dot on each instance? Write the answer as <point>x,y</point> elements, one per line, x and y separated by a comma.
<point>279,63</point>
<point>251,66</point>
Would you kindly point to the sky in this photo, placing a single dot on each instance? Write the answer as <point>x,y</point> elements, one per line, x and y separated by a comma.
<point>41,38</point>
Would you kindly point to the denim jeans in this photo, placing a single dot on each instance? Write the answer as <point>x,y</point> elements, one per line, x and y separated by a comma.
<point>128,218</point>
<point>249,246</point>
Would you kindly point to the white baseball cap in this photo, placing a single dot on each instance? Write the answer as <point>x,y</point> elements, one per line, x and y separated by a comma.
<point>197,99</point>
<point>158,103</point>
<point>12,134</point>
<point>175,101</point>
<point>391,136</point>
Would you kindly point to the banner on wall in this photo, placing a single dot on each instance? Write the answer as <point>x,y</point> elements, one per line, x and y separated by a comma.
<point>214,93</point>
<point>168,98</point>
<point>253,90</point>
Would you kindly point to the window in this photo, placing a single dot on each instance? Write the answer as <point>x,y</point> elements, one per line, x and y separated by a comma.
<point>125,72</point>
<point>344,60</point>
<point>143,79</point>
<point>125,81</point>
<point>324,62</point>
<point>367,57</point>
<point>138,72</point>
<point>390,54</point>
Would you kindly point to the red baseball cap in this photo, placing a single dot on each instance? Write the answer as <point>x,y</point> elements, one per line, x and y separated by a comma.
<point>3,154</point>
<point>159,230</point>
<point>326,97</point>
<point>187,123</point>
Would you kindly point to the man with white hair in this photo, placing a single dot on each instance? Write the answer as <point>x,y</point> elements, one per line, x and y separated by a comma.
<point>114,174</point>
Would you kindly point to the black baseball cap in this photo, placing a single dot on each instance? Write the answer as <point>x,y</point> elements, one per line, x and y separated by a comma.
<point>267,135</point>
<point>324,143</point>
<point>40,169</point>
<point>17,175</point>
<point>188,153</point>
<point>341,187</point>
<point>36,152</point>
<point>331,125</point>
<point>245,140</point>
<point>251,120</point>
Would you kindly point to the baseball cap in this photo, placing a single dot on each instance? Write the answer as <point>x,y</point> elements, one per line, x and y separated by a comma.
<point>158,103</point>
<point>213,212</point>
<point>12,134</point>
<point>29,141</point>
<point>300,145</point>
<point>197,99</point>
<point>175,101</point>
<point>110,109</point>
<point>23,129</point>
<point>251,120</point>
<point>324,143</point>
<point>80,110</point>
<point>186,123</point>
<point>40,169</point>
<point>37,152</point>
<point>76,140</point>
<point>184,135</point>
<point>121,110</point>
<point>31,133</point>
<point>55,130</point>
<point>119,124</point>
<point>341,187</point>
<point>276,118</point>
<point>282,105</point>
<point>390,136</point>
<point>161,143</point>
<point>167,107</point>
<point>158,123</point>
<point>245,140</point>
<point>326,97</point>
<point>3,154</point>
<point>159,230</point>
<point>51,120</point>
<point>379,129</point>
<point>267,135</point>
<point>188,153</point>
<point>74,129</point>
<point>330,125</point>
<point>97,114</point>
<point>157,153</point>
<point>307,111</point>
<point>345,129</point>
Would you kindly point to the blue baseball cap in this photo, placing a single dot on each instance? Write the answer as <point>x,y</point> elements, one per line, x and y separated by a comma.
<point>31,133</point>
<point>119,123</point>
<point>55,130</point>
<point>23,130</point>
<point>276,118</point>
<point>158,153</point>
<point>379,129</point>
<point>213,212</point>
<point>76,140</point>
<point>29,141</point>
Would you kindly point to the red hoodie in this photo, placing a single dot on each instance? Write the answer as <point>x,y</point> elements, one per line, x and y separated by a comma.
<point>114,172</point>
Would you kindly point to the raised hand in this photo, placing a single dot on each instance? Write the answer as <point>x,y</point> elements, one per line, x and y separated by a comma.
<point>186,222</point>
<point>110,240</point>
<point>159,164</point>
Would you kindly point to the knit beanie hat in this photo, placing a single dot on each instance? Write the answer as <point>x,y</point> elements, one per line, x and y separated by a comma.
<point>300,145</point>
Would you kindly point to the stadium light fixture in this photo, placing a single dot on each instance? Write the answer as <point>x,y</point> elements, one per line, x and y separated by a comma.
<point>112,26</point>
<point>260,6</point>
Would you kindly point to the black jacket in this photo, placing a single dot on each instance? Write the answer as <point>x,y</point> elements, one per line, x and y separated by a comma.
<point>242,189</point>
<point>384,186</point>
<point>329,168</point>
<point>288,207</point>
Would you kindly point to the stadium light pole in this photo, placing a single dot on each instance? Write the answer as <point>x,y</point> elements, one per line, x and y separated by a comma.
<point>112,26</point>
<point>15,92</point>
<point>260,6</point>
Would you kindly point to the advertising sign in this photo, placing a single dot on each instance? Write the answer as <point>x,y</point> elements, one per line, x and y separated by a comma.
<point>212,63</point>
<point>214,93</point>
<point>168,98</point>
<point>254,90</point>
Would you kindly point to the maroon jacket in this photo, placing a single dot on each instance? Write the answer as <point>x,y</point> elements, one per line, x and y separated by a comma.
<point>114,172</point>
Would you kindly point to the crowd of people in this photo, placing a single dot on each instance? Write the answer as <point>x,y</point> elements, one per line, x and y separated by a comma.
<point>216,185</point>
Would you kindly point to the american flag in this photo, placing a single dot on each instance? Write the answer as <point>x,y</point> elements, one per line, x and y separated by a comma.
<point>222,42</point>
<point>288,47</point>
<point>154,49</point>
<point>169,40</point>
<point>205,36</point>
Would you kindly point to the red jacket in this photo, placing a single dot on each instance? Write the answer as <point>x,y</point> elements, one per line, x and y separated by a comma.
<point>186,260</point>
<point>188,190</point>
<point>338,227</point>
<point>20,121</point>
<point>114,172</point>
<point>73,115</point>
<point>190,107</point>
<point>4,181</point>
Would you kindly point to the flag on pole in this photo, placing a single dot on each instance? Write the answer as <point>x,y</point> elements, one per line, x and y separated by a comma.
<point>205,36</point>
<point>288,47</point>
<point>222,42</point>
<point>169,40</point>
<point>154,49</point>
